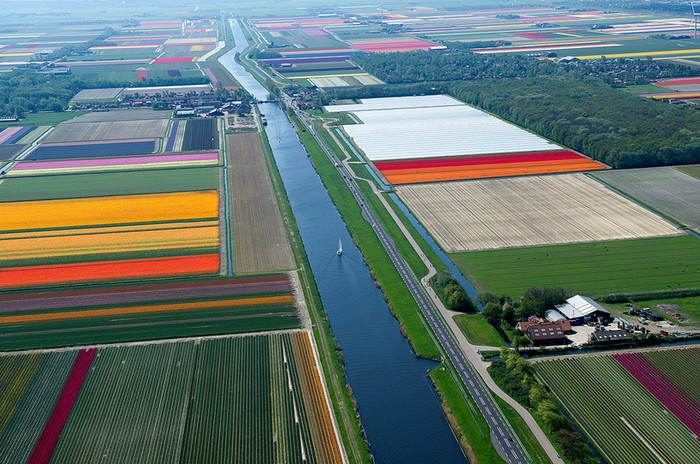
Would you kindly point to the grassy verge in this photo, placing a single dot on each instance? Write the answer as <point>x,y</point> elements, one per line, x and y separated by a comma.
<point>478,331</point>
<point>464,419</point>
<point>43,119</point>
<point>382,269</point>
<point>330,355</point>
<point>532,446</point>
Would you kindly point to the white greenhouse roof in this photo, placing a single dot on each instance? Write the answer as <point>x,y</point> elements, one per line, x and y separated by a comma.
<point>394,103</point>
<point>554,316</point>
<point>579,306</point>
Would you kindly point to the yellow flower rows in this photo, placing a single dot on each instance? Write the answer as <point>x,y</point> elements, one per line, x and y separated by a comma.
<point>128,209</point>
<point>119,242</point>
<point>109,229</point>
<point>110,312</point>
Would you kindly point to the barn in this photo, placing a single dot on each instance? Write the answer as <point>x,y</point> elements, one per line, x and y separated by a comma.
<point>581,309</point>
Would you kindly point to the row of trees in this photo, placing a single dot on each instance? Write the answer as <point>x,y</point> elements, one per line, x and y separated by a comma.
<point>504,311</point>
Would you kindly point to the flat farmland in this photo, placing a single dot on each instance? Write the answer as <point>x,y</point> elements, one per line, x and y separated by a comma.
<point>282,415</point>
<point>259,237</point>
<point>108,184</point>
<point>112,130</point>
<point>235,399</point>
<point>624,411</point>
<point>693,170</point>
<point>528,211</point>
<point>97,149</point>
<point>7,152</point>
<point>201,134</point>
<point>120,115</point>
<point>146,312</point>
<point>626,266</point>
<point>665,189</point>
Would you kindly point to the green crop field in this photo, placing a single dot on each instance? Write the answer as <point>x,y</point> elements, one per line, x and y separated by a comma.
<point>624,420</point>
<point>693,170</point>
<point>23,418</point>
<point>109,183</point>
<point>130,407</point>
<point>601,268</point>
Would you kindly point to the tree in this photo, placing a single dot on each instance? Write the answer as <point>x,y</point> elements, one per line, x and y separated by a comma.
<point>545,297</point>
<point>492,312</point>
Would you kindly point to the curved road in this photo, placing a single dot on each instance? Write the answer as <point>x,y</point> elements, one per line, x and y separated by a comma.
<point>506,442</point>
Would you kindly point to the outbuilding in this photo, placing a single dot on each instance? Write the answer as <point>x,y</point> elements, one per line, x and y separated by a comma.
<point>546,333</point>
<point>581,309</point>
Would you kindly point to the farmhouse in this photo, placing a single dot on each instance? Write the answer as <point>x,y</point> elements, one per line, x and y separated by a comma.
<point>546,333</point>
<point>580,309</point>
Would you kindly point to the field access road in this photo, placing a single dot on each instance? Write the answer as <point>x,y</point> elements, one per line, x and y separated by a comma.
<point>505,441</point>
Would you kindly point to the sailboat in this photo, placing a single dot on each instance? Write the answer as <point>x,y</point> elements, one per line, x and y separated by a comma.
<point>340,248</point>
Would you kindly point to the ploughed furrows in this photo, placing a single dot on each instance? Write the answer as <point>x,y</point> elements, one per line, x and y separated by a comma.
<point>624,420</point>
<point>131,407</point>
<point>112,130</point>
<point>201,134</point>
<point>260,241</point>
<point>29,416</point>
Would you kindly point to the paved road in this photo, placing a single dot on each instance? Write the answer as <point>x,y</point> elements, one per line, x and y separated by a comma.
<point>505,441</point>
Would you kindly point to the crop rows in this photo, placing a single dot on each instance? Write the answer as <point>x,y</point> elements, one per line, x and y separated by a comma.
<point>201,134</point>
<point>259,237</point>
<point>23,428</point>
<point>676,365</point>
<point>113,130</point>
<point>92,150</point>
<point>131,406</point>
<point>623,419</point>
<point>668,394</point>
<point>527,212</point>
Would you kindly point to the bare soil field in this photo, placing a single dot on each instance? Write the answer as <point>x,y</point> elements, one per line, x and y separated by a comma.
<point>259,239</point>
<point>529,211</point>
<point>116,130</point>
<point>666,189</point>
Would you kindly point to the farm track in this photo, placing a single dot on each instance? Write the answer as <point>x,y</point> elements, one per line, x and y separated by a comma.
<point>260,240</point>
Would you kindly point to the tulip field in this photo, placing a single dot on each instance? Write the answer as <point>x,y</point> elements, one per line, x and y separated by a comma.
<point>636,407</point>
<point>146,311</point>
<point>234,399</point>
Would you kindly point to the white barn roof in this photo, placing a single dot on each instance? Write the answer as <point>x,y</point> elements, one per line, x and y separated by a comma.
<point>579,306</point>
<point>554,316</point>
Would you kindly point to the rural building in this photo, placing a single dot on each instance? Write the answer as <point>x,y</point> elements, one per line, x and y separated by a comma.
<point>602,335</point>
<point>580,309</point>
<point>546,333</point>
<point>554,316</point>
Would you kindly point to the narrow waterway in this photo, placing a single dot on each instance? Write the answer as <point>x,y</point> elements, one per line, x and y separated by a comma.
<point>398,407</point>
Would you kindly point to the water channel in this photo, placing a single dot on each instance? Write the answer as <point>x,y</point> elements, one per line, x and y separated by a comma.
<point>398,407</point>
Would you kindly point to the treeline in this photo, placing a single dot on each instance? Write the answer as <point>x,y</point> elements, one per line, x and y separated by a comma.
<point>517,378</point>
<point>458,63</point>
<point>451,293</point>
<point>622,130</point>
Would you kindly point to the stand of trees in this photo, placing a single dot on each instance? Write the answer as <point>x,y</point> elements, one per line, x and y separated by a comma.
<point>619,129</point>
<point>451,293</point>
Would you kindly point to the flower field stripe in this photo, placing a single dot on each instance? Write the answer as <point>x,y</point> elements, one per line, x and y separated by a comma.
<point>94,142</point>
<point>100,211</point>
<point>485,171</point>
<point>680,81</point>
<point>106,164</point>
<point>8,133</point>
<point>13,134</point>
<point>474,160</point>
<point>47,442</point>
<point>103,230</point>
<point>173,130</point>
<point>153,293</point>
<point>673,398</point>
<point>183,59</point>
<point>121,242</point>
<point>18,374</point>
<point>109,270</point>
<point>132,310</point>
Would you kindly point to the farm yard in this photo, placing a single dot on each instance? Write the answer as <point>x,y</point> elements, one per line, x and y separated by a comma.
<point>156,402</point>
<point>528,211</point>
<point>146,312</point>
<point>436,138</point>
<point>259,236</point>
<point>668,190</point>
<point>631,409</point>
<point>596,269</point>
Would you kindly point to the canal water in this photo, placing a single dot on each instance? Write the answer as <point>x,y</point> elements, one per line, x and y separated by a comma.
<point>398,407</point>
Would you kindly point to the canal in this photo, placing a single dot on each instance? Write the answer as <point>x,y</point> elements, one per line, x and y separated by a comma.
<point>398,406</point>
